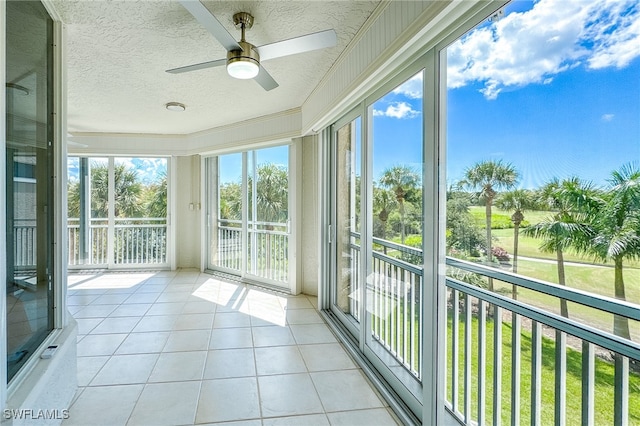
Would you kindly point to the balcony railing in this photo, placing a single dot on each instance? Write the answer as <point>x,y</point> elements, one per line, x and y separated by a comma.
<point>136,241</point>
<point>267,248</point>
<point>510,362</point>
<point>507,362</point>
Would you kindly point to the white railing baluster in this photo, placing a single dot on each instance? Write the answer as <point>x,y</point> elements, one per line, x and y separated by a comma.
<point>497,366</point>
<point>467,358</point>
<point>621,391</point>
<point>588,383</point>
<point>455,344</point>
<point>516,347</point>
<point>482,361</point>
<point>536,373</point>
<point>561,379</point>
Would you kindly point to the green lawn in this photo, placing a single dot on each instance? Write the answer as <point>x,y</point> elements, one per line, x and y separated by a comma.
<point>603,388</point>
<point>527,246</point>
<point>597,280</point>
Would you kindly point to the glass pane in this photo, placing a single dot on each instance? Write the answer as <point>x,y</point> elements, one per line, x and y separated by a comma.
<point>348,227</point>
<point>140,210</point>
<point>394,286</point>
<point>98,223</point>
<point>29,189</point>
<point>543,178</point>
<point>227,253</point>
<point>268,213</point>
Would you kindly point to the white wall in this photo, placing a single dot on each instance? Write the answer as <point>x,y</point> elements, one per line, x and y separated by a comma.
<point>309,216</point>
<point>187,211</point>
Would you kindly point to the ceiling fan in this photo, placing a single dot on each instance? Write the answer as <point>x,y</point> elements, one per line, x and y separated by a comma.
<point>243,58</point>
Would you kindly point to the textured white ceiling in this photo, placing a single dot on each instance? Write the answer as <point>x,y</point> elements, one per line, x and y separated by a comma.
<point>118,52</point>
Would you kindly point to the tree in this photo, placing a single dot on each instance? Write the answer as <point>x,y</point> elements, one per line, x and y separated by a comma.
<point>272,200</point>
<point>383,203</point>
<point>230,200</point>
<point>462,232</point>
<point>517,201</point>
<point>404,182</point>
<point>616,222</point>
<point>485,177</point>
<point>567,227</point>
<point>127,190</point>
<point>156,198</point>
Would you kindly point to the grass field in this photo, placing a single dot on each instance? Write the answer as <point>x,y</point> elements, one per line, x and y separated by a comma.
<point>527,246</point>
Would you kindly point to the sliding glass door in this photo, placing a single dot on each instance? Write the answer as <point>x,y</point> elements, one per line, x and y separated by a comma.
<point>377,231</point>
<point>248,215</point>
<point>117,212</point>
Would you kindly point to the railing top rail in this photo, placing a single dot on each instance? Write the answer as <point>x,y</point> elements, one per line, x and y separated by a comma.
<point>601,338</point>
<point>253,222</point>
<point>394,246</point>
<point>591,300</point>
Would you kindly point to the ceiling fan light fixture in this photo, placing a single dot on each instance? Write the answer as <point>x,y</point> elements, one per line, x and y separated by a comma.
<point>175,106</point>
<point>243,64</point>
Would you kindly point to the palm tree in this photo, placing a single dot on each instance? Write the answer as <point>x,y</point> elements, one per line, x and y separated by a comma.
<point>485,177</point>
<point>617,230</point>
<point>568,227</point>
<point>127,190</point>
<point>272,200</point>
<point>383,202</point>
<point>403,181</point>
<point>517,201</point>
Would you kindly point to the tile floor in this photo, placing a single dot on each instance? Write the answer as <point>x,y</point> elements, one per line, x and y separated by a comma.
<point>184,348</point>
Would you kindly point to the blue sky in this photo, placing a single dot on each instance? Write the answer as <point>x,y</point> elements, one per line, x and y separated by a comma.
<point>552,88</point>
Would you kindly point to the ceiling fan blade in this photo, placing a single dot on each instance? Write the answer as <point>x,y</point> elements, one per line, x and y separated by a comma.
<point>211,24</point>
<point>296,45</point>
<point>201,66</point>
<point>265,80</point>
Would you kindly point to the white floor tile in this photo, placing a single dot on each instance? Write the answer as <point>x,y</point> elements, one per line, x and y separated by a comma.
<point>105,405</point>
<point>306,420</point>
<point>306,334</point>
<point>131,310</point>
<point>303,316</point>
<point>143,343</point>
<point>204,307</point>
<point>188,340</point>
<point>228,363</point>
<point>228,400</point>
<point>88,367</point>
<point>336,391</point>
<point>179,367</point>
<point>279,360</point>
<point>125,369</point>
<point>111,299</point>
<point>85,325</point>
<point>116,325</point>
<point>299,302</point>
<point>288,395</point>
<point>230,338</point>
<point>166,404</point>
<point>142,298</point>
<point>156,323</point>
<point>100,344</point>
<point>95,311</point>
<point>230,320</point>
<point>272,336</point>
<point>170,308</point>
<point>326,356</point>
<point>375,417</point>
<point>194,322</point>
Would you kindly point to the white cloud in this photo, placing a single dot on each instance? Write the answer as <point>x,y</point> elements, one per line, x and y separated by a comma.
<point>607,117</point>
<point>554,36</point>
<point>397,110</point>
<point>411,88</point>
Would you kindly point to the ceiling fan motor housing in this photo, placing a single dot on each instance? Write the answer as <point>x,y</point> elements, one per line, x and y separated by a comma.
<point>247,54</point>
